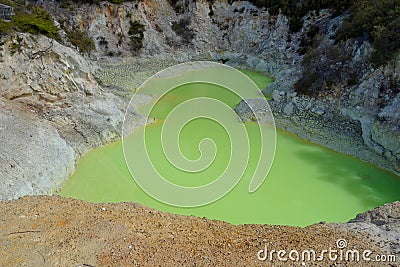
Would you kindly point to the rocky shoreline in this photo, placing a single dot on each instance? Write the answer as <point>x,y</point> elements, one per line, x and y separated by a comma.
<point>315,120</point>
<point>57,104</point>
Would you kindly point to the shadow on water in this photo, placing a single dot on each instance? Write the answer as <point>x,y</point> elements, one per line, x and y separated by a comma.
<point>369,184</point>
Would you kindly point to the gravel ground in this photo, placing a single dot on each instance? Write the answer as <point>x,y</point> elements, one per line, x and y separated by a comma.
<point>55,231</point>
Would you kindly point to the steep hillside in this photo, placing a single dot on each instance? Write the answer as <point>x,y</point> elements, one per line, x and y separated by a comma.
<point>53,111</point>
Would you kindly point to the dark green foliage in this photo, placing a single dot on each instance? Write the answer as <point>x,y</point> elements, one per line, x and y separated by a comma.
<point>69,4</point>
<point>178,5</point>
<point>37,22</point>
<point>324,67</point>
<point>377,21</point>
<point>66,4</point>
<point>305,84</point>
<point>9,3</point>
<point>117,1</point>
<point>328,67</point>
<point>295,9</point>
<point>136,28</point>
<point>136,34</point>
<point>81,40</point>
<point>5,27</point>
<point>308,39</point>
<point>181,28</point>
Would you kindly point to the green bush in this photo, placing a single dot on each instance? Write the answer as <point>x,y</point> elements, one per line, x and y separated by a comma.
<point>181,28</point>
<point>66,4</point>
<point>81,40</point>
<point>69,3</point>
<point>295,9</point>
<point>136,35</point>
<point>117,1</point>
<point>5,27</point>
<point>8,3</point>
<point>37,22</point>
<point>325,66</point>
<point>378,22</point>
<point>177,5</point>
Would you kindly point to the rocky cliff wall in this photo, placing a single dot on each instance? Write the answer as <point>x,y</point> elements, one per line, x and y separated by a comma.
<point>52,111</point>
<point>357,119</point>
<point>220,28</point>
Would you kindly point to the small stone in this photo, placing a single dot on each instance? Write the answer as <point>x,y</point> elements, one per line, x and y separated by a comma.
<point>318,111</point>
<point>288,109</point>
<point>103,209</point>
<point>276,96</point>
<point>290,96</point>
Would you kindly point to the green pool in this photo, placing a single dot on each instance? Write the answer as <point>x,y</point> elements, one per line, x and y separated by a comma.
<point>306,184</point>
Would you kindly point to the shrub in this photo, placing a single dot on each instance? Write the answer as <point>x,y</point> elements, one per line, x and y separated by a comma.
<point>117,1</point>
<point>69,3</point>
<point>5,27</point>
<point>325,66</point>
<point>38,22</point>
<point>136,35</point>
<point>328,66</point>
<point>295,9</point>
<point>8,3</point>
<point>81,40</point>
<point>177,5</point>
<point>181,28</point>
<point>378,22</point>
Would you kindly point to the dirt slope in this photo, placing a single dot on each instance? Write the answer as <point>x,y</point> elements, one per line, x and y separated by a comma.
<point>55,231</point>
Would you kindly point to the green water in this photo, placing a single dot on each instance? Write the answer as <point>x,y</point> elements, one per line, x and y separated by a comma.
<point>307,183</point>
